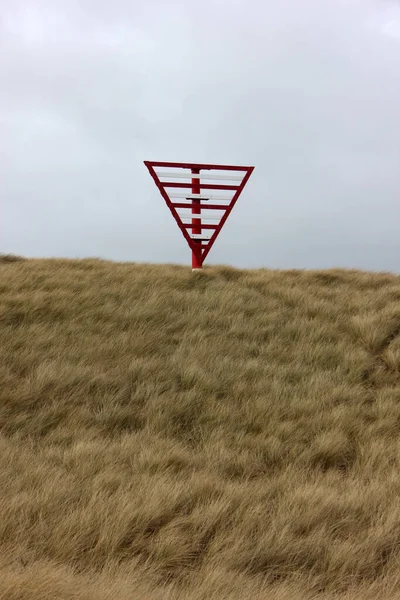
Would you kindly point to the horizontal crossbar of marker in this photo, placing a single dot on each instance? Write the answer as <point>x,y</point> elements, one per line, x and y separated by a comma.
<point>199,236</point>
<point>199,196</point>
<point>203,186</point>
<point>203,225</point>
<point>201,216</point>
<point>203,213</point>
<point>189,175</point>
<point>177,165</point>
<point>201,205</point>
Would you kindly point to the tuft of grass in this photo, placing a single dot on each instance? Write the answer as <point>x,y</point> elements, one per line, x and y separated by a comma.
<point>232,434</point>
<point>10,258</point>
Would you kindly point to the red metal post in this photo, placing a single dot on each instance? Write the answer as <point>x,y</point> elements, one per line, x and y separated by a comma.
<point>196,221</point>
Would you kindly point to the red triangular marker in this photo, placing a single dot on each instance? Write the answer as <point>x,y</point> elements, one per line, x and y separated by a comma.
<point>201,181</point>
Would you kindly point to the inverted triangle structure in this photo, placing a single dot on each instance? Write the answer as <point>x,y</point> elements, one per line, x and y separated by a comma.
<point>200,198</point>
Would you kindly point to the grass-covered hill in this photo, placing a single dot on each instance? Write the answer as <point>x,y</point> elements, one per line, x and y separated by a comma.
<point>229,434</point>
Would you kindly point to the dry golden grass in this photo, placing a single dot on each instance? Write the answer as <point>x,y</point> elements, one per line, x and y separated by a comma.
<point>169,435</point>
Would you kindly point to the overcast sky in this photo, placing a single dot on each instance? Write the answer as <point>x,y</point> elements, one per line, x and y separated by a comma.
<point>307,91</point>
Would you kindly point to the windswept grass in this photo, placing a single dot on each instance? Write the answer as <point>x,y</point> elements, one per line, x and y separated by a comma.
<point>226,434</point>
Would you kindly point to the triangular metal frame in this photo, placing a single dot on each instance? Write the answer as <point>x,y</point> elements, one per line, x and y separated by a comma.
<point>195,245</point>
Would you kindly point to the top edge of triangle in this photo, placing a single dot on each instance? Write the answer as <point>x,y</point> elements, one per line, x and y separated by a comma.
<point>205,166</point>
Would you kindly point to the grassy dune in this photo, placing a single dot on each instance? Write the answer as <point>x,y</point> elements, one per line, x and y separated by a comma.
<point>225,435</point>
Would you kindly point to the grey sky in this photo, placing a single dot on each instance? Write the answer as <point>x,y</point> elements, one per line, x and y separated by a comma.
<point>308,91</point>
